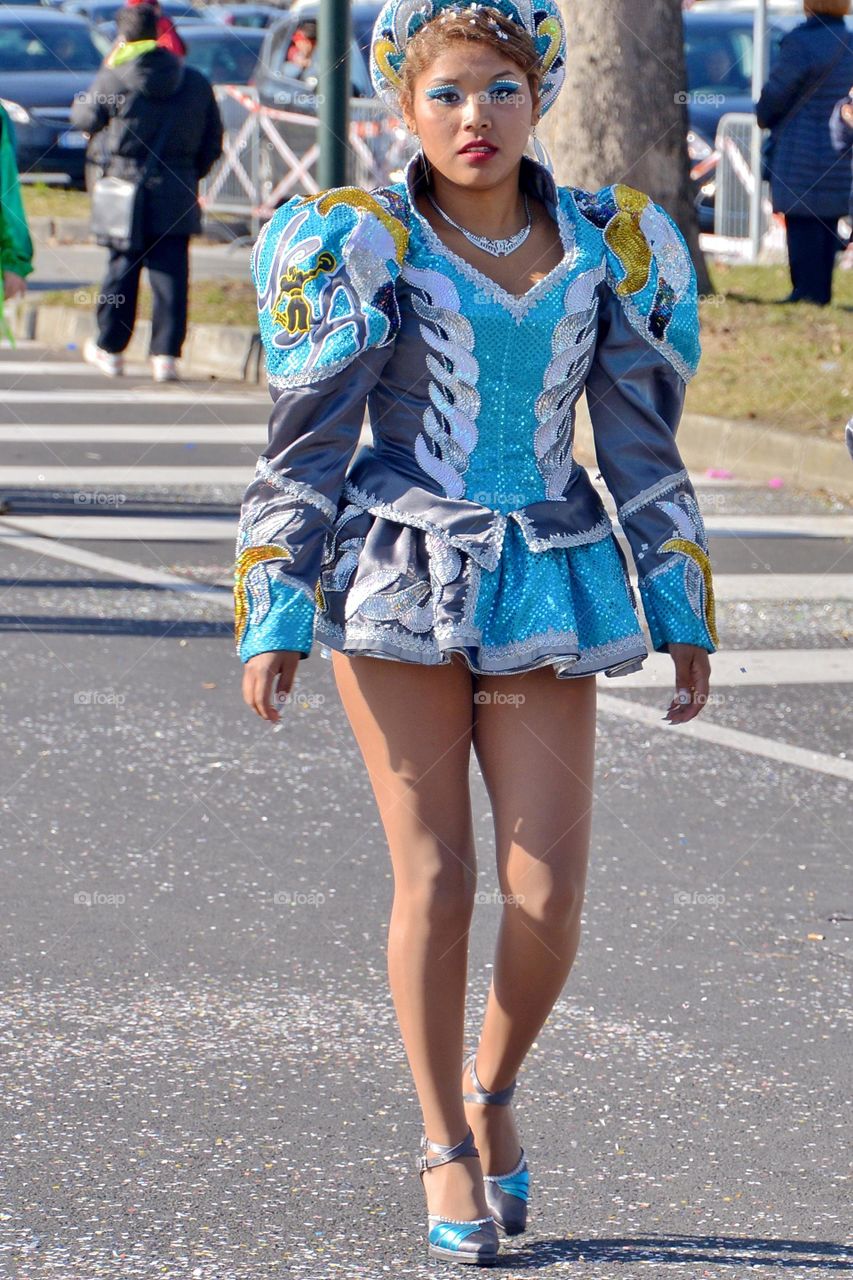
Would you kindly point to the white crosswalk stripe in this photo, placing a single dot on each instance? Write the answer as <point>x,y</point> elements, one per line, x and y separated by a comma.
<point>133,433</point>
<point>167,394</point>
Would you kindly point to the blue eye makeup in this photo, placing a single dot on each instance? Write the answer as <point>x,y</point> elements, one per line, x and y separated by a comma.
<point>449,93</point>
<point>505,86</point>
<point>441,90</point>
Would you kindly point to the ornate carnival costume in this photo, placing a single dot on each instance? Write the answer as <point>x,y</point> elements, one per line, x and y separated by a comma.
<point>468,526</point>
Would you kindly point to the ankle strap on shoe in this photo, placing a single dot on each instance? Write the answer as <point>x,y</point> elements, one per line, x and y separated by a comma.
<point>499,1097</point>
<point>467,1147</point>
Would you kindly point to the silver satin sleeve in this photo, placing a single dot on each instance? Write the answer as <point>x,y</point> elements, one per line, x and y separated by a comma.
<point>635,400</point>
<point>292,501</point>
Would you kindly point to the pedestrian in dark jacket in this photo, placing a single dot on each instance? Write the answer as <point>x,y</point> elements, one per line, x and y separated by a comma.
<point>139,89</point>
<point>810,182</point>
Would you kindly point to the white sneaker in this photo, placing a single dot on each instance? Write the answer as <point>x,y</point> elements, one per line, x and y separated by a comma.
<point>109,362</point>
<point>164,369</point>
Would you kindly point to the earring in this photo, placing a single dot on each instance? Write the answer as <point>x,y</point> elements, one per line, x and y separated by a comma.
<point>541,152</point>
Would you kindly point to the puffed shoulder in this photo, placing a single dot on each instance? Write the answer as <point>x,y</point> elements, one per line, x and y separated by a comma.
<point>325,268</point>
<point>649,268</point>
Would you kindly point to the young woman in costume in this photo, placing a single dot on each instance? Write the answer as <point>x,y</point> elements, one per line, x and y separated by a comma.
<point>463,575</point>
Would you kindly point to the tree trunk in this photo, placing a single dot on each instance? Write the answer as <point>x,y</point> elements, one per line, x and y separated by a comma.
<point>622,112</point>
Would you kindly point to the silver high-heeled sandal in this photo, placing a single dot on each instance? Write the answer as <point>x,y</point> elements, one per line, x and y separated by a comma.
<point>474,1241</point>
<point>506,1193</point>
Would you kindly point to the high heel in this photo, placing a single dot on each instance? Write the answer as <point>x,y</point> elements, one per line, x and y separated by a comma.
<point>506,1193</point>
<point>474,1240</point>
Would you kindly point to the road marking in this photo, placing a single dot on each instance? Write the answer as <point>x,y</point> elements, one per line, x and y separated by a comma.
<point>118,528</point>
<point>135,433</point>
<point>780,586</point>
<point>112,479</point>
<point>140,395</point>
<point>54,368</point>
<point>117,568</point>
<point>112,524</point>
<point>706,731</point>
<point>734,667</point>
<point>780,526</point>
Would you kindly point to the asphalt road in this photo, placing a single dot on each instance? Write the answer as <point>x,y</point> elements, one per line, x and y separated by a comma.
<point>201,1069</point>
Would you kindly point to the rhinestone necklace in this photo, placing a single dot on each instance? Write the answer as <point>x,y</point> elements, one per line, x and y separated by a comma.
<point>498,248</point>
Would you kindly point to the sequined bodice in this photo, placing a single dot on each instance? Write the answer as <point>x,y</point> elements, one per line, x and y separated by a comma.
<point>477,400</point>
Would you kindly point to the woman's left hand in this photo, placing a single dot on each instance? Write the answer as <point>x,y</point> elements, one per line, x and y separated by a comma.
<point>692,679</point>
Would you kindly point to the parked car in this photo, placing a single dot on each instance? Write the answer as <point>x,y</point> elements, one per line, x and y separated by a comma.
<point>226,55</point>
<point>244,15</point>
<point>103,12</point>
<point>719,55</point>
<point>46,57</point>
<point>287,70</point>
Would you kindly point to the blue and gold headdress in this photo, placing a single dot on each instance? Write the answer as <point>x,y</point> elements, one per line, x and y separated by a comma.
<point>399,20</point>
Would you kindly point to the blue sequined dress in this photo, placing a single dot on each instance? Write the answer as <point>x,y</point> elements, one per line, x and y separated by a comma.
<point>468,526</point>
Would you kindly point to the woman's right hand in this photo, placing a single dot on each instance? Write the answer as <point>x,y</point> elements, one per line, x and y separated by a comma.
<point>259,680</point>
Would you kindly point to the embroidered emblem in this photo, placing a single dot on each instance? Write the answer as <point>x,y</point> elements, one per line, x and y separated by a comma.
<point>262,535</point>
<point>245,576</point>
<point>640,235</point>
<point>688,542</point>
<point>291,309</point>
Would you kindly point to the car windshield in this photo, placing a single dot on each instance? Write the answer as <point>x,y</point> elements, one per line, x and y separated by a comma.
<point>49,47</point>
<point>719,58</point>
<point>294,55</point>
<point>181,12</point>
<point>223,61</point>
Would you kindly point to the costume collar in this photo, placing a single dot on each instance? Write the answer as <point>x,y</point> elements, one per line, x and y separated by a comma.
<point>533,178</point>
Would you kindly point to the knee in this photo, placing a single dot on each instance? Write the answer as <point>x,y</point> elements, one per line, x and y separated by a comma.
<point>554,905</point>
<point>441,895</point>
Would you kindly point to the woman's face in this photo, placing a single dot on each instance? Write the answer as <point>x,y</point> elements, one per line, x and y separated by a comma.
<point>472,93</point>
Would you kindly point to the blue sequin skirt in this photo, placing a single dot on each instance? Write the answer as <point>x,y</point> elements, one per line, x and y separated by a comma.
<point>389,590</point>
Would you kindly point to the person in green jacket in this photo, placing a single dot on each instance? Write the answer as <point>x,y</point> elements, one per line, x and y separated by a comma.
<point>16,246</point>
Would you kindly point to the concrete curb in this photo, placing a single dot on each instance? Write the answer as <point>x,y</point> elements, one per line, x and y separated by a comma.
<point>218,350</point>
<point>750,451</point>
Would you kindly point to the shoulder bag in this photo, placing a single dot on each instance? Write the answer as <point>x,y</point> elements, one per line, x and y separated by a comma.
<point>117,203</point>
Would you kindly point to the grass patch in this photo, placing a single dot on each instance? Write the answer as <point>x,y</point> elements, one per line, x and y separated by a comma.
<point>785,366</point>
<point>228,302</point>
<point>43,201</point>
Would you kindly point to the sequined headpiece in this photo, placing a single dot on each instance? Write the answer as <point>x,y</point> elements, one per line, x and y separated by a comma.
<point>399,20</point>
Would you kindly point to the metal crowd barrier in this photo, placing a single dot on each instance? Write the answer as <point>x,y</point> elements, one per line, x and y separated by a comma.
<point>270,154</point>
<point>735,180</point>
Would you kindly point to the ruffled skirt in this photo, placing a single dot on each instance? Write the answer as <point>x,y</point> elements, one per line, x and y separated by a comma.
<point>390,590</point>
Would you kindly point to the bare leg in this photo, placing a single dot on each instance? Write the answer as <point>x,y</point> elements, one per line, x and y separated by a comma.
<point>538,758</point>
<point>413,725</point>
